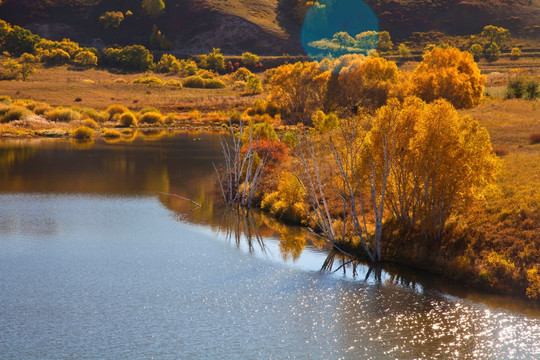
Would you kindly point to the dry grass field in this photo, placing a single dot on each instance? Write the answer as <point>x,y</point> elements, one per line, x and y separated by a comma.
<point>64,86</point>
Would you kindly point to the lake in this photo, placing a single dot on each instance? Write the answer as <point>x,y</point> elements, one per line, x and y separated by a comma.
<point>96,261</point>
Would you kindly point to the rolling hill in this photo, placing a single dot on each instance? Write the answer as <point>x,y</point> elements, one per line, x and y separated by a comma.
<point>267,27</point>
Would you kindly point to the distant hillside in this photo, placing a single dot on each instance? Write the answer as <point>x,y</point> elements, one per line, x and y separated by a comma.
<point>267,27</point>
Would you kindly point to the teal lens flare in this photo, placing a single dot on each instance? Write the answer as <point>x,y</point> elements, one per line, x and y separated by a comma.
<point>325,22</point>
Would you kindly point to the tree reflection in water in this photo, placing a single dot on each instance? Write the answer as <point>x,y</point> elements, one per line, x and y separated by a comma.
<point>240,224</point>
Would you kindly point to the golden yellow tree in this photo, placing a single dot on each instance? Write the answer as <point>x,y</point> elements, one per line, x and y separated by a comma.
<point>367,84</point>
<point>299,90</point>
<point>442,160</point>
<point>450,74</point>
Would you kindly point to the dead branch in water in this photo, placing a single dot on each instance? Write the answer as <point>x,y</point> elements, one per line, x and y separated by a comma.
<point>181,197</point>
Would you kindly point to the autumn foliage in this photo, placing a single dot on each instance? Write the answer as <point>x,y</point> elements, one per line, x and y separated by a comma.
<point>450,74</point>
<point>299,90</point>
<point>367,83</point>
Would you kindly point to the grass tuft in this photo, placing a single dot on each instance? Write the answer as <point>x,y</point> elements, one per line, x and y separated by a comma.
<point>151,118</point>
<point>62,115</point>
<point>111,133</point>
<point>174,83</point>
<point>90,123</point>
<point>151,80</point>
<point>127,119</point>
<point>14,112</point>
<point>116,110</point>
<point>82,132</point>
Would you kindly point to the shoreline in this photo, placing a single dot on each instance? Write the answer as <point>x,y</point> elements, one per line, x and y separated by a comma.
<point>429,266</point>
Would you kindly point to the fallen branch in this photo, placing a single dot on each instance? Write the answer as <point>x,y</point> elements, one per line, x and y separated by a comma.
<point>181,197</point>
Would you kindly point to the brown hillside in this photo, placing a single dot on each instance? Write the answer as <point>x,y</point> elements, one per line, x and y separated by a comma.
<point>268,27</point>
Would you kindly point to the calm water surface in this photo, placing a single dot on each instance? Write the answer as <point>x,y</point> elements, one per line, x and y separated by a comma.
<point>96,263</point>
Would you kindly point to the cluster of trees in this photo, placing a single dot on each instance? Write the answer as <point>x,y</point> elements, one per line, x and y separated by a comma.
<point>354,82</point>
<point>364,42</point>
<point>523,88</point>
<point>395,154</point>
<point>133,57</point>
<point>27,49</point>
<point>410,164</point>
<point>18,41</point>
<point>490,42</point>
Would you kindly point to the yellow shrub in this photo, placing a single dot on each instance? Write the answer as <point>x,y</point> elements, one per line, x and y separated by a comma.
<point>90,123</point>
<point>450,74</point>
<point>127,119</point>
<point>13,112</point>
<point>83,132</point>
<point>111,133</point>
<point>116,109</point>
<point>148,81</point>
<point>194,114</point>
<point>174,83</point>
<point>151,118</point>
<point>500,269</point>
<point>62,115</point>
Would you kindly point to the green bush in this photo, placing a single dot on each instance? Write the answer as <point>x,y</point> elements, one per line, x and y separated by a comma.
<point>515,53</point>
<point>82,132</point>
<point>213,61</point>
<point>127,119</point>
<point>168,64</point>
<point>19,41</point>
<point>253,85</point>
<point>385,43</point>
<point>54,57</point>
<point>151,118</point>
<point>14,112</point>
<point>214,84</point>
<point>521,88</point>
<point>242,74</point>
<point>134,57</point>
<point>148,81</point>
<point>153,8</point>
<point>193,82</point>
<point>111,19</point>
<point>13,67</point>
<point>514,89</point>
<point>86,58</point>
<point>250,59</point>
<point>111,56</point>
<point>62,115</point>
<point>189,67</point>
<point>404,51</point>
<point>532,90</point>
<point>492,52</point>
<point>476,50</point>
